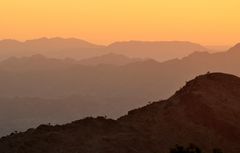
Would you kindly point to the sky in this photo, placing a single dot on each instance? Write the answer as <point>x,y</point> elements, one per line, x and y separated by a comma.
<point>209,22</point>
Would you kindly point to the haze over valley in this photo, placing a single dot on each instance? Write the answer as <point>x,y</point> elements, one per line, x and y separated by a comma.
<point>58,90</point>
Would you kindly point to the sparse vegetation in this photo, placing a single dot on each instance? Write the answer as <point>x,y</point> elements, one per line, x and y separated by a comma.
<point>190,149</point>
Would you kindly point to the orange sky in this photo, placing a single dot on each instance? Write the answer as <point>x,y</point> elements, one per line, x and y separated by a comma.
<point>209,22</point>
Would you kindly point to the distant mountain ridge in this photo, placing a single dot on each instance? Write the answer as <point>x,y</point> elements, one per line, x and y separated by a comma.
<point>51,47</point>
<point>56,42</point>
<point>40,61</point>
<point>80,49</point>
<point>158,50</point>
<point>204,112</point>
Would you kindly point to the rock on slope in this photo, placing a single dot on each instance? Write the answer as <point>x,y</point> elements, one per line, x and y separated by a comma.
<point>205,112</point>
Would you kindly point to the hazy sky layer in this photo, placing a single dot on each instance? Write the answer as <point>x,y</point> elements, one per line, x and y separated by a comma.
<point>209,22</point>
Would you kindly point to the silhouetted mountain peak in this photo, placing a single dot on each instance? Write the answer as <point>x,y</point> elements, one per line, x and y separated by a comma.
<point>205,112</point>
<point>212,91</point>
<point>210,85</point>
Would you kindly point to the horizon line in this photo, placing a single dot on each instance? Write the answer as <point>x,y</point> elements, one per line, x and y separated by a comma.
<point>117,41</point>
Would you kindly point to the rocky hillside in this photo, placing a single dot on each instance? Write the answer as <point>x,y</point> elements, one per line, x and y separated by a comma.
<point>206,112</point>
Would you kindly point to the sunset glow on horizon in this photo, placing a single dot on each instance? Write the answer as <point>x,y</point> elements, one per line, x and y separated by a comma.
<point>104,21</point>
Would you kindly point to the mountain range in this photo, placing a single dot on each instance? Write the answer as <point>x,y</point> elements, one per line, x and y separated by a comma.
<point>73,90</point>
<point>204,112</point>
<point>80,49</point>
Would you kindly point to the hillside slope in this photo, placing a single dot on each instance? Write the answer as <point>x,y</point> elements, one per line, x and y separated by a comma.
<point>206,111</point>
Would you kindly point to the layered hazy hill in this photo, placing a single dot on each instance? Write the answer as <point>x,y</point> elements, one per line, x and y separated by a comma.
<point>204,112</point>
<point>40,76</point>
<point>80,49</point>
<point>158,50</point>
<point>53,47</point>
<point>109,59</point>
<point>67,89</point>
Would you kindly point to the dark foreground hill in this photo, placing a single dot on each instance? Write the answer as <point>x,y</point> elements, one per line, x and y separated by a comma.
<point>206,112</point>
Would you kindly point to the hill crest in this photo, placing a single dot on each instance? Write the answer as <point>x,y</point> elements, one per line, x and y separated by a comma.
<point>201,113</point>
